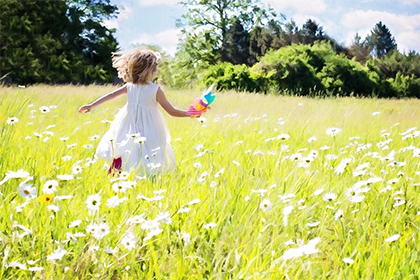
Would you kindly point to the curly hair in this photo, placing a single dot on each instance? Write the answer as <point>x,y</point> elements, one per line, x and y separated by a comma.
<point>136,67</point>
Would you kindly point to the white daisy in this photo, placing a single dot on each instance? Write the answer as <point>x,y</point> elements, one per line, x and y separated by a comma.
<point>56,255</point>
<point>93,202</point>
<point>44,109</point>
<point>94,137</point>
<point>164,217</point>
<point>149,225</point>
<point>101,231</point>
<point>77,169</point>
<point>197,165</point>
<point>53,208</point>
<point>50,186</point>
<point>186,238</point>
<point>209,225</point>
<point>152,233</point>
<point>330,196</point>
<point>265,205</point>
<point>75,223</point>
<point>283,136</point>
<point>27,191</point>
<point>333,131</point>
<point>348,260</point>
<point>12,120</point>
<point>354,194</point>
<point>128,241</point>
<point>314,224</point>
<point>65,177</point>
<point>194,201</point>
<point>392,238</point>
<point>184,210</point>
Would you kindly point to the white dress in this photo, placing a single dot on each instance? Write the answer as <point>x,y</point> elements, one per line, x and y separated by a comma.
<point>139,117</point>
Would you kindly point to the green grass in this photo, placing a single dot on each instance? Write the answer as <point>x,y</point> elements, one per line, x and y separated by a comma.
<point>247,242</point>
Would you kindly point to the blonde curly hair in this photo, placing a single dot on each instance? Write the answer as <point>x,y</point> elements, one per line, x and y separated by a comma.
<point>137,66</point>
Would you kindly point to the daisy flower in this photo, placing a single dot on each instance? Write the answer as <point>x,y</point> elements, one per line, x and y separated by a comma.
<point>209,225</point>
<point>265,205</point>
<point>75,223</point>
<point>329,196</point>
<point>56,255</point>
<point>128,241</point>
<point>77,169</point>
<point>65,177</point>
<point>101,231</point>
<point>46,198</point>
<point>12,120</point>
<point>93,202</point>
<point>44,109</point>
<point>333,131</point>
<point>50,186</point>
<point>392,238</point>
<point>27,191</point>
<point>348,260</point>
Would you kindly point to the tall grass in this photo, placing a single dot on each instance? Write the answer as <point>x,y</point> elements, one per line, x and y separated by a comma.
<point>227,165</point>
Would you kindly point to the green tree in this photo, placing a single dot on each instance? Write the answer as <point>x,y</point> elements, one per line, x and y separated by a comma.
<point>215,17</point>
<point>56,41</point>
<point>381,41</point>
<point>291,34</point>
<point>237,44</point>
<point>264,38</point>
<point>312,32</point>
<point>359,49</point>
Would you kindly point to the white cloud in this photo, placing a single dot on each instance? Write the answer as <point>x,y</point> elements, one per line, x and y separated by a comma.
<point>298,6</point>
<point>405,29</point>
<point>110,24</point>
<point>167,39</point>
<point>124,13</point>
<point>150,3</point>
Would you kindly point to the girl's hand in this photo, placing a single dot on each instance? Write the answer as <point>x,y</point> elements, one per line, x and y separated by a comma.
<point>85,109</point>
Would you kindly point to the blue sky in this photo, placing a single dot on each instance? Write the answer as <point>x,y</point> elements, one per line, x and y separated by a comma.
<point>153,21</point>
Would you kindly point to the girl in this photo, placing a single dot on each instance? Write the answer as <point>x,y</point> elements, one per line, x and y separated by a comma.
<point>138,137</point>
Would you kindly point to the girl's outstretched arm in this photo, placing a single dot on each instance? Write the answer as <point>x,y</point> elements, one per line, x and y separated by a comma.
<point>174,112</point>
<point>106,98</point>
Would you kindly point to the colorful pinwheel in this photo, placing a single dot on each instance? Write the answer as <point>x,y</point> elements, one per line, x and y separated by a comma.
<point>200,104</point>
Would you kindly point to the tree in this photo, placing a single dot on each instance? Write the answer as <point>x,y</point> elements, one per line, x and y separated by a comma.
<point>215,18</point>
<point>291,34</point>
<point>263,39</point>
<point>311,32</point>
<point>381,41</point>
<point>359,49</point>
<point>237,44</point>
<point>56,41</point>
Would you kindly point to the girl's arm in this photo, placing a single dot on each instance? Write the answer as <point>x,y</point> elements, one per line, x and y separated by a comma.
<point>106,98</point>
<point>161,98</point>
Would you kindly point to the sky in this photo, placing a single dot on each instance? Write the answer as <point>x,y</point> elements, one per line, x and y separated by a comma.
<point>153,21</point>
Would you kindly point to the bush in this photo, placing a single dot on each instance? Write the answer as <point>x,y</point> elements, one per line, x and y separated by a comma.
<point>318,70</point>
<point>405,86</point>
<point>293,67</point>
<point>345,77</point>
<point>227,76</point>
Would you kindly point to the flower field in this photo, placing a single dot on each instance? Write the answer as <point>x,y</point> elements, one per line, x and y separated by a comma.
<point>266,187</point>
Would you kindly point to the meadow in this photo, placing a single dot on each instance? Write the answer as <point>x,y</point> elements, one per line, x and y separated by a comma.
<point>266,187</point>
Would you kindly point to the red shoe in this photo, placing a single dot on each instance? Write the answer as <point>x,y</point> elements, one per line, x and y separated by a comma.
<point>115,166</point>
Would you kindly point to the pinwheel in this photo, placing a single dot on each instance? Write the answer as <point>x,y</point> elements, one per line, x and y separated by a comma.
<point>200,104</point>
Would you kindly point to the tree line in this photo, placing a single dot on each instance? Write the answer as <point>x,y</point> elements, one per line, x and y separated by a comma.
<point>56,41</point>
<point>245,46</point>
<point>237,44</point>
